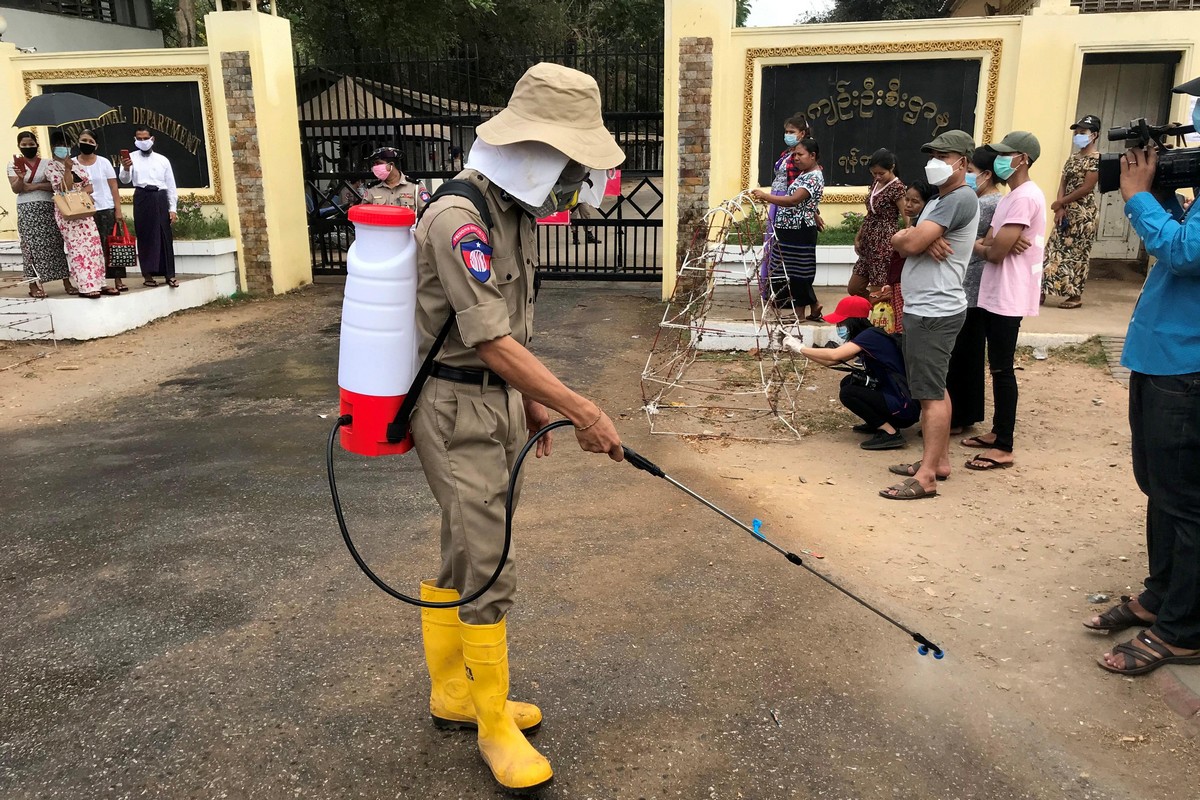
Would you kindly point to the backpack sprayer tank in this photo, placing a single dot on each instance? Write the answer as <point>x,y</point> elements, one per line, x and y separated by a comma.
<point>377,360</point>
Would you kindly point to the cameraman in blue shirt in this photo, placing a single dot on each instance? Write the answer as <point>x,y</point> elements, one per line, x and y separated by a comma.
<point>1162,351</point>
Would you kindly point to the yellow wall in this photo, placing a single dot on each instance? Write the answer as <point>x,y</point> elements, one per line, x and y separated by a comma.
<point>1036,78</point>
<point>268,40</point>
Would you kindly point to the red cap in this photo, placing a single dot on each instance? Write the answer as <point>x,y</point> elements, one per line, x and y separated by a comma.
<point>369,214</point>
<point>847,307</point>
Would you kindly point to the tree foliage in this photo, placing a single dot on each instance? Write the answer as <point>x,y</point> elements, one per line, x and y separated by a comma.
<point>869,10</point>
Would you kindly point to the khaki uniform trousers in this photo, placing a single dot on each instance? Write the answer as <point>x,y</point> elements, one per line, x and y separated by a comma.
<point>468,438</point>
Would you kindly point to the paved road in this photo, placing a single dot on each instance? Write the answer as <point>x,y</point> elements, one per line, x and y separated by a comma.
<point>182,622</point>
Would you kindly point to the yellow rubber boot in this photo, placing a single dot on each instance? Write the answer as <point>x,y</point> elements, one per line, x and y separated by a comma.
<point>450,702</point>
<point>515,764</point>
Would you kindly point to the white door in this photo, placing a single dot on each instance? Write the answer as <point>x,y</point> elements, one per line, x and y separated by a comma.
<point>1118,93</point>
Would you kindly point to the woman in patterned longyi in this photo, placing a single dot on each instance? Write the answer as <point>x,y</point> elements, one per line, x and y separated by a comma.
<point>1076,219</point>
<point>794,254</point>
<point>85,255</point>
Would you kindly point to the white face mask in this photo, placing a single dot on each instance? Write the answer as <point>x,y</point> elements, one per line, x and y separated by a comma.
<point>938,172</point>
<point>145,145</point>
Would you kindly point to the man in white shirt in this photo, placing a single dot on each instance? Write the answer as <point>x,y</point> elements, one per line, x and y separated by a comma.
<point>154,203</point>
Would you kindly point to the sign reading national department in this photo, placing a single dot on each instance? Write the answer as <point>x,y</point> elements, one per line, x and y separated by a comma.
<point>856,108</point>
<point>172,110</point>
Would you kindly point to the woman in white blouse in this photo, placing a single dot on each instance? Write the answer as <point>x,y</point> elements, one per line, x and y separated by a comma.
<point>42,250</point>
<point>107,197</point>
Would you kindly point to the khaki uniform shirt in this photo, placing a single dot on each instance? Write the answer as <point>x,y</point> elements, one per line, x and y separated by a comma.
<point>484,277</point>
<point>405,193</point>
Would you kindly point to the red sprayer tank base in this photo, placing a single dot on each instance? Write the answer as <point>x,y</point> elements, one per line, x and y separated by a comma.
<point>366,434</point>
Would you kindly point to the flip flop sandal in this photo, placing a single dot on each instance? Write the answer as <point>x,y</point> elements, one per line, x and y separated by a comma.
<point>815,318</point>
<point>110,291</point>
<point>149,282</point>
<point>122,288</point>
<point>990,463</point>
<point>1118,618</point>
<point>1071,304</point>
<point>977,443</point>
<point>174,284</point>
<point>91,295</point>
<point>1158,656</point>
<point>910,470</point>
<point>37,294</point>
<point>911,489</point>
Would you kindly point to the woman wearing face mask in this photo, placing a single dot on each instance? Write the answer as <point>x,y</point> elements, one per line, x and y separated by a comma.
<point>879,393</point>
<point>795,128</point>
<point>1076,218</point>
<point>85,256</point>
<point>873,243</point>
<point>394,187</point>
<point>965,379</point>
<point>916,197</point>
<point>42,251</point>
<point>794,252</point>
<point>106,196</point>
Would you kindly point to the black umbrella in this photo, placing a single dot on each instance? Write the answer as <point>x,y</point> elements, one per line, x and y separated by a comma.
<point>60,108</point>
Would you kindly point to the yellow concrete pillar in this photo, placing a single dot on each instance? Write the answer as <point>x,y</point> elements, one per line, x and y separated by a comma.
<point>690,20</point>
<point>265,199</point>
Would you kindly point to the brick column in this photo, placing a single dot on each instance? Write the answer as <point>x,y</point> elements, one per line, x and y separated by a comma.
<point>695,136</point>
<point>247,170</point>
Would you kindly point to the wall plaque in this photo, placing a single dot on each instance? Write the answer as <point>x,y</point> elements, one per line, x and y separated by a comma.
<point>172,110</point>
<point>855,108</point>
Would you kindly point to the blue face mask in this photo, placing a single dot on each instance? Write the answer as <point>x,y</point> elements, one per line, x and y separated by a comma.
<point>791,139</point>
<point>1004,168</point>
<point>1196,115</point>
<point>843,333</point>
<point>1081,140</point>
<point>62,152</point>
<point>972,181</point>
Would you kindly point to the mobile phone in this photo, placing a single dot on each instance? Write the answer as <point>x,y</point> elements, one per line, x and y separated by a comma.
<point>124,154</point>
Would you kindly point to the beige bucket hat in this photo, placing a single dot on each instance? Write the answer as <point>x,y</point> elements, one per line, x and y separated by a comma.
<point>559,106</point>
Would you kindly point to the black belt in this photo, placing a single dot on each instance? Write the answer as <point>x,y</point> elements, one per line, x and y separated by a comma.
<point>475,377</point>
<point>147,189</point>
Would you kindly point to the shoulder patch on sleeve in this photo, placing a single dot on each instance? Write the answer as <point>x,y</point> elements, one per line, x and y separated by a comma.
<point>424,196</point>
<point>477,256</point>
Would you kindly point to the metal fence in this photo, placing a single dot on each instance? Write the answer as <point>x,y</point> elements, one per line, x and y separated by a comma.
<point>427,105</point>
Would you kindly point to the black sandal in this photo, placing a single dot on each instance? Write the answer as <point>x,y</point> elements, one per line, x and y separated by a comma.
<point>149,282</point>
<point>174,284</point>
<point>1118,618</point>
<point>1147,658</point>
<point>111,291</point>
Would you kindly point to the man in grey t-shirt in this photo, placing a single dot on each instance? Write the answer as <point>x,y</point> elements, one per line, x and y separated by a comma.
<point>936,252</point>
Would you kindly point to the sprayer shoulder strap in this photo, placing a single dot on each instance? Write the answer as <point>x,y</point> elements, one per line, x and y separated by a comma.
<point>452,188</point>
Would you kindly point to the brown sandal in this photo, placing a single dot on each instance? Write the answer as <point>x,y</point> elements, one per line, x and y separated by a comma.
<point>37,292</point>
<point>1073,302</point>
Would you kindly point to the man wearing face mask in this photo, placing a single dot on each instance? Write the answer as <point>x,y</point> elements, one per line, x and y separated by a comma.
<point>487,393</point>
<point>936,252</point>
<point>1162,352</point>
<point>154,201</point>
<point>394,187</point>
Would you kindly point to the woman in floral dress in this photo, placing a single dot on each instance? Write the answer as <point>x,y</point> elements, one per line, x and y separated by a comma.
<point>873,243</point>
<point>85,255</point>
<point>1076,219</point>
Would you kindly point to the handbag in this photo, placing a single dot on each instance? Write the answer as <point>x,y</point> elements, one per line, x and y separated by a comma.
<point>122,247</point>
<point>75,204</point>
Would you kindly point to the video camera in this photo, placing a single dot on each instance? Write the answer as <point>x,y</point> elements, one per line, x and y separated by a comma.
<point>1177,168</point>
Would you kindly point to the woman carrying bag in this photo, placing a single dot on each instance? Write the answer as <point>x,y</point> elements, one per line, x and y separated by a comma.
<point>85,256</point>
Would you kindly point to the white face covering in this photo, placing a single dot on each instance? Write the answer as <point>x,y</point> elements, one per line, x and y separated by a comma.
<point>145,145</point>
<point>938,172</point>
<point>526,170</point>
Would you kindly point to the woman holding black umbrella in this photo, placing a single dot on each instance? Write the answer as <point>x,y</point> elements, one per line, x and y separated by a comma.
<point>42,248</point>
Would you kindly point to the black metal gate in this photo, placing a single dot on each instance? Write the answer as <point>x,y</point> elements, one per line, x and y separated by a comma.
<point>427,107</point>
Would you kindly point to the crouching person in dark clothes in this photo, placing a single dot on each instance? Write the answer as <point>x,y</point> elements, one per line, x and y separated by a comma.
<point>878,393</point>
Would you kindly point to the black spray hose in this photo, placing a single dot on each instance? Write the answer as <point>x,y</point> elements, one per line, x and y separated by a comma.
<point>636,460</point>
<point>508,515</point>
<point>643,463</point>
